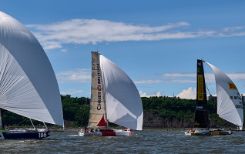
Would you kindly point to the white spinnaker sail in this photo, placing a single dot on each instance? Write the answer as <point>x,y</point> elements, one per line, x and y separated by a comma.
<point>229,102</point>
<point>123,102</point>
<point>28,85</point>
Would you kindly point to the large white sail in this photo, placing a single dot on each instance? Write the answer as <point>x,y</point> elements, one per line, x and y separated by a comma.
<point>97,103</point>
<point>28,85</point>
<point>123,102</point>
<point>229,102</point>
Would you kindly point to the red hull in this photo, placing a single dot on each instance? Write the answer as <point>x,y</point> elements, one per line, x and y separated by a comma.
<point>105,132</point>
<point>108,132</point>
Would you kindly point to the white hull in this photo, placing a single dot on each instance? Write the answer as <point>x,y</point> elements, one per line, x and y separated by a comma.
<point>197,132</point>
<point>106,132</point>
<point>120,132</point>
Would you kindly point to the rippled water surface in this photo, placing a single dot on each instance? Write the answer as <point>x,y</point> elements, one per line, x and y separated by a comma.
<point>147,141</point>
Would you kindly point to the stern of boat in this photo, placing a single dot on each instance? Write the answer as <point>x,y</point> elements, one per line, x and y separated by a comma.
<point>123,132</point>
<point>197,132</point>
<point>215,132</point>
<point>25,134</point>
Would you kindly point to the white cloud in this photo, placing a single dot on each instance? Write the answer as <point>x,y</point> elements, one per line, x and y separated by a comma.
<point>73,92</point>
<point>148,81</point>
<point>191,77</point>
<point>76,75</point>
<point>180,77</point>
<point>174,75</point>
<point>145,94</point>
<point>92,31</point>
<point>189,93</point>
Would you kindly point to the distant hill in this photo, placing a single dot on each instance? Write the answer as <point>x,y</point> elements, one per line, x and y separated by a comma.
<point>159,112</point>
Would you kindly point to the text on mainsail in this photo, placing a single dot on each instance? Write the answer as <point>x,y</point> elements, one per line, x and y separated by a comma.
<point>99,87</point>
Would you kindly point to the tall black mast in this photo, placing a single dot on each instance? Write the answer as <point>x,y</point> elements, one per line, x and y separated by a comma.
<point>201,114</point>
<point>1,119</point>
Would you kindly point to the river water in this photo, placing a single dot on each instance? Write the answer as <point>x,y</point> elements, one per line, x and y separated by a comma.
<point>147,141</point>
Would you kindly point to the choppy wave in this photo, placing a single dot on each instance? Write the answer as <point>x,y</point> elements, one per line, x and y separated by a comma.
<point>147,141</point>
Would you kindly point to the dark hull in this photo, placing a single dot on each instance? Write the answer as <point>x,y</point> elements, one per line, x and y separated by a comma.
<point>207,132</point>
<point>220,132</point>
<point>24,134</point>
<point>237,130</point>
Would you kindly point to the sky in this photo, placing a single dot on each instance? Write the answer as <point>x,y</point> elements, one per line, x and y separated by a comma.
<point>155,42</point>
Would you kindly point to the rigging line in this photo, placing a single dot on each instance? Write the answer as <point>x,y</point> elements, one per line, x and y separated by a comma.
<point>45,125</point>
<point>21,121</point>
<point>32,124</point>
<point>209,91</point>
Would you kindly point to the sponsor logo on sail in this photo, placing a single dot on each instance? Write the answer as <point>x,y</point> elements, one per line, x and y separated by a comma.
<point>239,106</point>
<point>232,86</point>
<point>200,90</point>
<point>99,87</point>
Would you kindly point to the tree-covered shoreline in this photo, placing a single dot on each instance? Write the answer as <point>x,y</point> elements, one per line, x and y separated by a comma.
<point>159,112</point>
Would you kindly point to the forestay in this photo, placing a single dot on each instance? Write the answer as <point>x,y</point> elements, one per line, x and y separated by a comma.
<point>28,85</point>
<point>229,102</point>
<point>123,102</point>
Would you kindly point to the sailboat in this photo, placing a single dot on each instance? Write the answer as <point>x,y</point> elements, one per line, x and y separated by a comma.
<point>201,122</point>
<point>229,105</point>
<point>114,99</point>
<point>28,86</point>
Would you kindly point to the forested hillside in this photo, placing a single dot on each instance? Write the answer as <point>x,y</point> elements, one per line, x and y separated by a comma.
<point>159,112</point>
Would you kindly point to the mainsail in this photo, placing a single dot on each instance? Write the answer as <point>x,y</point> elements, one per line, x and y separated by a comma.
<point>97,103</point>
<point>201,113</point>
<point>123,102</point>
<point>28,85</point>
<point>229,102</point>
